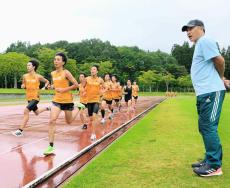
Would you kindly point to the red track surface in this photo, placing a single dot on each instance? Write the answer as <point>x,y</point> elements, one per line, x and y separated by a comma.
<point>21,159</point>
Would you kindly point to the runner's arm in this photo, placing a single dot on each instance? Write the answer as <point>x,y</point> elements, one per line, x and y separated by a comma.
<point>70,77</point>
<point>23,86</point>
<point>42,79</point>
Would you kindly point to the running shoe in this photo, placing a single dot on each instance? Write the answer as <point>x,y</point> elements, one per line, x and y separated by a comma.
<point>198,164</point>
<point>17,133</point>
<point>102,121</point>
<point>49,150</point>
<point>93,137</point>
<point>111,116</point>
<point>80,106</point>
<point>84,126</point>
<point>207,171</point>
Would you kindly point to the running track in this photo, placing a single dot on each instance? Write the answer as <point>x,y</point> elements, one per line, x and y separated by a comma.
<point>22,160</point>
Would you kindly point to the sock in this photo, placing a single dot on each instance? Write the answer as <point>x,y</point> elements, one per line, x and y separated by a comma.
<point>51,144</point>
<point>103,113</point>
<point>20,130</point>
<point>112,110</point>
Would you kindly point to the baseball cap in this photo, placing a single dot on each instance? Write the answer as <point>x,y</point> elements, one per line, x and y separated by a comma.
<point>193,23</point>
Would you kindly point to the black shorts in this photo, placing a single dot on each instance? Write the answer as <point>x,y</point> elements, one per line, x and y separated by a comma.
<point>116,100</point>
<point>135,97</point>
<point>32,105</point>
<point>92,108</point>
<point>109,102</point>
<point>64,106</point>
<point>127,98</point>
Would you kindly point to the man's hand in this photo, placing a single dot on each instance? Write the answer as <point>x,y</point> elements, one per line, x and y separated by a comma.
<point>227,84</point>
<point>23,86</point>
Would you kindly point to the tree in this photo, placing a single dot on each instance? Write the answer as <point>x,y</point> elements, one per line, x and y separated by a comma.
<point>46,57</point>
<point>72,67</point>
<point>226,55</point>
<point>13,65</point>
<point>168,79</point>
<point>183,54</point>
<point>84,68</point>
<point>149,78</point>
<point>18,46</point>
<point>4,69</point>
<point>185,82</point>
<point>105,67</point>
<point>126,62</point>
<point>176,69</point>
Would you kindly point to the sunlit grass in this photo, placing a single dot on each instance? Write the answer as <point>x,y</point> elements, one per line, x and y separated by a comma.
<point>158,151</point>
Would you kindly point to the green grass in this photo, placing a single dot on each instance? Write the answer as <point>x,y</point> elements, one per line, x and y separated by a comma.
<point>163,94</point>
<point>158,151</point>
<point>22,91</point>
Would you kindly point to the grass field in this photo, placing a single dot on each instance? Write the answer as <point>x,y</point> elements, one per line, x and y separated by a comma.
<point>21,91</point>
<point>158,151</point>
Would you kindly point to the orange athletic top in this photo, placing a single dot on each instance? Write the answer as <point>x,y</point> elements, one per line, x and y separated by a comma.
<point>83,98</point>
<point>93,89</point>
<point>32,84</point>
<point>116,91</point>
<point>60,81</point>
<point>108,95</point>
<point>135,90</point>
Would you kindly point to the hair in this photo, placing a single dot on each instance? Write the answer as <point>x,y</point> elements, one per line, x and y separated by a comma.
<point>114,75</point>
<point>107,74</point>
<point>64,57</point>
<point>83,74</point>
<point>96,67</point>
<point>35,63</point>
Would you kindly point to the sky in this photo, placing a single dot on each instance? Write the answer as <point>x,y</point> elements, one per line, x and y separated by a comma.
<point>148,24</point>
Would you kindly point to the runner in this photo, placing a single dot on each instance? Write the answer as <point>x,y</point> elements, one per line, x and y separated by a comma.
<point>135,90</point>
<point>120,92</point>
<point>107,98</point>
<point>128,95</point>
<point>83,100</point>
<point>31,82</point>
<point>116,91</point>
<point>93,87</point>
<point>63,99</point>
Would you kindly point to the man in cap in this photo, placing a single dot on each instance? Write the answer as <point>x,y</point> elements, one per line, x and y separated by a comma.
<point>207,73</point>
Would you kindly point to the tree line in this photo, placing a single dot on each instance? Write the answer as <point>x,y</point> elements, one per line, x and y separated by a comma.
<point>153,70</point>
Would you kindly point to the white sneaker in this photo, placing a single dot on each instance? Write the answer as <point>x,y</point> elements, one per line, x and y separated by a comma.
<point>111,117</point>
<point>93,137</point>
<point>115,111</point>
<point>102,121</point>
<point>17,133</point>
